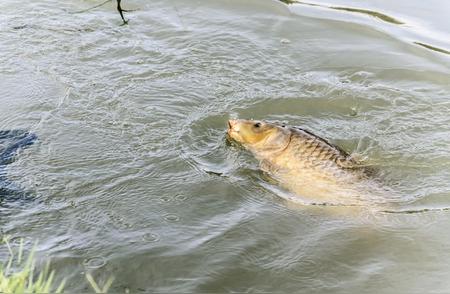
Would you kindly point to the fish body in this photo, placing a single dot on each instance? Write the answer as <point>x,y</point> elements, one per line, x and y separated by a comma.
<point>315,170</point>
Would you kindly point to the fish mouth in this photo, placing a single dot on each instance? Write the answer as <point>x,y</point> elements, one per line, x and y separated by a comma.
<point>232,131</point>
<point>231,124</point>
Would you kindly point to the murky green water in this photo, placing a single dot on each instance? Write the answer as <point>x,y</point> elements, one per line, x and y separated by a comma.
<point>134,177</point>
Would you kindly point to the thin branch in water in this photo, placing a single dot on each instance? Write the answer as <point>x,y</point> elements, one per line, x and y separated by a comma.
<point>93,7</point>
<point>121,11</point>
<point>119,8</point>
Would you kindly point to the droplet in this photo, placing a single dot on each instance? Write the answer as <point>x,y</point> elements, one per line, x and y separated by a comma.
<point>151,237</point>
<point>94,262</point>
<point>171,217</point>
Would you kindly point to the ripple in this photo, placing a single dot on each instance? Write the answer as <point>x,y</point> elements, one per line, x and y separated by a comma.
<point>151,237</point>
<point>94,262</point>
<point>16,240</point>
<point>165,199</point>
<point>172,218</point>
<point>118,221</point>
<point>59,200</point>
<point>180,197</point>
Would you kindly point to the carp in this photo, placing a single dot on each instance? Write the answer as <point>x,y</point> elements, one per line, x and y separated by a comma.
<point>316,171</point>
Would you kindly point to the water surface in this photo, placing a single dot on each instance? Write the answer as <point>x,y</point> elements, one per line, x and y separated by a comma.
<point>132,174</point>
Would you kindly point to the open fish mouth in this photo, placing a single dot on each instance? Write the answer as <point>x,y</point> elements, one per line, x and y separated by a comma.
<point>231,134</point>
<point>232,128</point>
<point>231,125</point>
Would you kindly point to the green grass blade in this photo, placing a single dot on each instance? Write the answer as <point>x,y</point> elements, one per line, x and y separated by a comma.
<point>93,283</point>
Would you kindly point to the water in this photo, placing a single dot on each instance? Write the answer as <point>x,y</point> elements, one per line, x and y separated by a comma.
<point>132,175</point>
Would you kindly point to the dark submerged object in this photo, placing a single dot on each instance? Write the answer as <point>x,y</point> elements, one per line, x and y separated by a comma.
<point>10,142</point>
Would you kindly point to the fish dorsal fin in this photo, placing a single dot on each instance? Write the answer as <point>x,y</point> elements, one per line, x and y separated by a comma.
<point>341,157</point>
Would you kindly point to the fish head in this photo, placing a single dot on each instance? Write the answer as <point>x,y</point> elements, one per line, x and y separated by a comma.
<point>257,135</point>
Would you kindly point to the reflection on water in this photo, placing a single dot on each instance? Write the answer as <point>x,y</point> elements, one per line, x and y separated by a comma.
<point>11,142</point>
<point>133,173</point>
<point>375,14</point>
<point>378,15</point>
<point>432,48</point>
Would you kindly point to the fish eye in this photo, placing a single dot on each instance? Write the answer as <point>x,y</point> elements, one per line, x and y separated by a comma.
<point>257,125</point>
